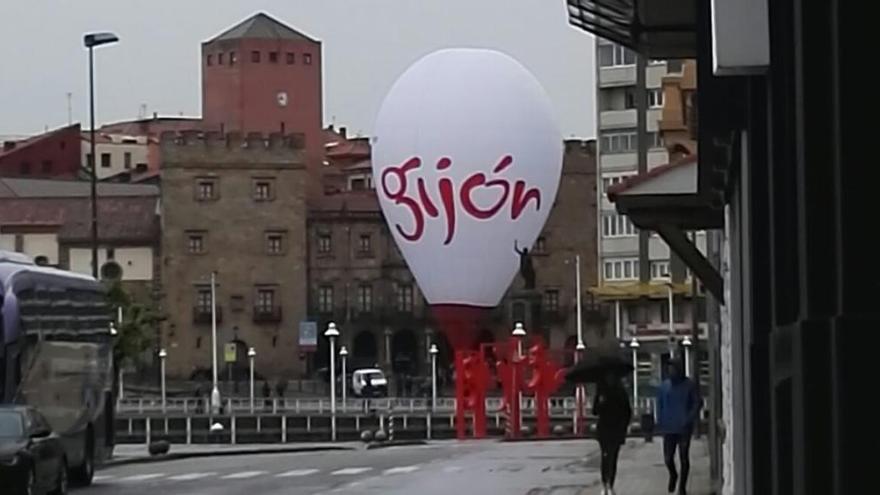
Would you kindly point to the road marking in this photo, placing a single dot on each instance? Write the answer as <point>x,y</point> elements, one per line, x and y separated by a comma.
<point>350,471</point>
<point>103,477</point>
<point>402,469</point>
<point>297,472</point>
<point>142,477</point>
<point>452,469</point>
<point>243,475</point>
<point>190,476</point>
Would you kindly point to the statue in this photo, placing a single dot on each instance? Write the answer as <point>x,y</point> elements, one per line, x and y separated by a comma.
<point>526,268</point>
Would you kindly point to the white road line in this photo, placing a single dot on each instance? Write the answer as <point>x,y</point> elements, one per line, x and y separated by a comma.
<point>190,476</point>
<point>142,477</point>
<point>401,469</point>
<point>296,472</point>
<point>243,475</point>
<point>350,471</point>
<point>103,477</point>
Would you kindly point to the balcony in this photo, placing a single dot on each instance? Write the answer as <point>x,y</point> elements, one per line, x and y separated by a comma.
<point>264,314</point>
<point>202,315</point>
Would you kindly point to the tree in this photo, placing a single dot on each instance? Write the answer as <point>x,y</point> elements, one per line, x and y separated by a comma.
<point>135,333</point>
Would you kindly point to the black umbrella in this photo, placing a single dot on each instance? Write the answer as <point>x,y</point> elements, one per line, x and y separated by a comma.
<point>598,362</point>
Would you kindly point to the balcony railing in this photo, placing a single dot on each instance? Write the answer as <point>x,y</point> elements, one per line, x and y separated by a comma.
<point>263,314</point>
<point>202,315</point>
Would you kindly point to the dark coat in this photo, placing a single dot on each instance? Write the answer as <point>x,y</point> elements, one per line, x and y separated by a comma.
<point>611,405</point>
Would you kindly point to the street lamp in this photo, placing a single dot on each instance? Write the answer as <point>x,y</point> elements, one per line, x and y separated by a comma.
<point>433,351</point>
<point>343,353</point>
<point>634,345</point>
<point>519,333</point>
<point>90,41</point>
<point>332,333</point>
<point>686,343</point>
<point>215,390</point>
<point>670,300</point>
<point>252,354</point>
<point>162,356</point>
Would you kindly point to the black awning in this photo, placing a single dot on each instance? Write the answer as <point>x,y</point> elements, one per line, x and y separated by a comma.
<point>657,29</point>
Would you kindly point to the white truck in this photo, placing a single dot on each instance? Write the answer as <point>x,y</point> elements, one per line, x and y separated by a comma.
<point>374,377</point>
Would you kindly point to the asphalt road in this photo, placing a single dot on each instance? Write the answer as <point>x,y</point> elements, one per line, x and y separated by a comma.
<point>458,468</point>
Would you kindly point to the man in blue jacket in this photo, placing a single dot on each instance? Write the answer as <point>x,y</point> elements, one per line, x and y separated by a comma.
<point>678,409</point>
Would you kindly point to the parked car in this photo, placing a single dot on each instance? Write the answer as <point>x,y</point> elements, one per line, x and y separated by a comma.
<point>369,382</point>
<point>32,459</point>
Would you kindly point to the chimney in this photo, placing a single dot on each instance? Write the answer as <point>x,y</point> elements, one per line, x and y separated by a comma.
<point>155,115</point>
<point>342,132</point>
<point>8,145</point>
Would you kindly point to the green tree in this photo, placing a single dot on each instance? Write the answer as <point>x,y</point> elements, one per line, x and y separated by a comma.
<point>135,334</point>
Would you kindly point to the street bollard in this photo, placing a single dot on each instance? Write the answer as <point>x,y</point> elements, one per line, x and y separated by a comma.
<point>284,429</point>
<point>232,430</point>
<point>188,430</point>
<point>148,435</point>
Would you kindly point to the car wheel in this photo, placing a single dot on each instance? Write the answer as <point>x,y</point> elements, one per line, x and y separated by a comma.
<point>61,480</point>
<point>30,487</point>
<point>82,475</point>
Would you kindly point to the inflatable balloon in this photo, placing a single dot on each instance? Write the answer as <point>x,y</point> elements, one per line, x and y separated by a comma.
<point>467,159</point>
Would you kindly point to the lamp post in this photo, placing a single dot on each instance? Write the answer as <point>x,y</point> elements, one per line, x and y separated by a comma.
<point>252,354</point>
<point>634,345</point>
<point>671,303</point>
<point>686,343</point>
<point>519,333</point>
<point>579,392</point>
<point>433,352</point>
<point>332,333</point>
<point>215,390</point>
<point>91,40</point>
<point>343,353</point>
<point>162,356</point>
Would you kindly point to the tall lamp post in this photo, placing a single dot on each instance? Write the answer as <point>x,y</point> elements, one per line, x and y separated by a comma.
<point>332,333</point>
<point>343,353</point>
<point>519,333</point>
<point>252,354</point>
<point>634,345</point>
<point>671,302</point>
<point>162,356</point>
<point>686,343</point>
<point>215,390</point>
<point>433,352</point>
<point>91,40</point>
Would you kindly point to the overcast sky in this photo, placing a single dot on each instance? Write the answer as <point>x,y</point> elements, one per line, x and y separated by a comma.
<point>367,45</point>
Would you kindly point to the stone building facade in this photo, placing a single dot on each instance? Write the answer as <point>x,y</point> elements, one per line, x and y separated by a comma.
<point>233,206</point>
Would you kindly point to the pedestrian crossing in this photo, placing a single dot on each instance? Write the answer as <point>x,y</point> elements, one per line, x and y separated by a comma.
<point>252,474</point>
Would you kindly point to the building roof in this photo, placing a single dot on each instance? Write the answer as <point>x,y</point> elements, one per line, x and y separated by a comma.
<point>262,26</point>
<point>655,173</point>
<point>122,219</point>
<point>46,188</point>
<point>30,141</point>
<point>155,125</point>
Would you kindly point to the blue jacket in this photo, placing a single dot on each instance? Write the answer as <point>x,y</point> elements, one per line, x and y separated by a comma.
<point>678,406</point>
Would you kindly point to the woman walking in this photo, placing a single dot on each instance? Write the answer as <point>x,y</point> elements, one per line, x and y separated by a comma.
<point>611,405</point>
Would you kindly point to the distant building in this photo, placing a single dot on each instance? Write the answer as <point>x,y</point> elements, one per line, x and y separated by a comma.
<point>119,153</point>
<point>51,154</point>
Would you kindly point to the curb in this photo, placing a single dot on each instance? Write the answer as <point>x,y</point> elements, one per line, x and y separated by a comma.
<point>222,453</point>
<point>398,443</point>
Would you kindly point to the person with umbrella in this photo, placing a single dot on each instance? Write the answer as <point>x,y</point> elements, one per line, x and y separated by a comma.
<point>678,408</point>
<point>611,405</point>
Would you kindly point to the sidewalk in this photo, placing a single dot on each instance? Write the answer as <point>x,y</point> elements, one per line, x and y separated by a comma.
<point>640,471</point>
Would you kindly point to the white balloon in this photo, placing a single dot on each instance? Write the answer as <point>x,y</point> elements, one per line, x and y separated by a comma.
<point>466,161</point>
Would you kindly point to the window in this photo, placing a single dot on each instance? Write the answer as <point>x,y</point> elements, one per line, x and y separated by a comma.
<point>633,314</point>
<point>617,225</point>
<point>25,168</point>
<point>325,243</point>
<point>273,57</point>
<point>307,58</point>
<point>275,243</point>
<point>105,160</point>
<point>210,60</point>
<point>629,98</point>
<point>659,270</point>
<point>90,161</point>
<point>263,190</point>
<point>655,140</point>
<point>233,58</point>
<point>205,190</point>
<point>404,298</point>
<point>203,300</point>
<point>325,299</point>
<point>655,98</point>
<point>673,65</point>
<point>196,243</point>
<point>219,59</point>
<point>610,180</point>
<point>47,166</point>
<point>664,312</point>
<point>551,300</point>
<point>613,55</point>
<point>358,184</point>
<point>265,300</point>
<point>618,141</point>
<point>365,244</point>
<point>541,245</point>
<point>291,58</point>
<point>365,298</point>
<point>127,160</point>
<point>255,57</point>
<point>621,269</point>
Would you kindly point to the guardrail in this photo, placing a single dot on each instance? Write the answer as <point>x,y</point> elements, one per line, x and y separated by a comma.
<point>557,405</point>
